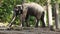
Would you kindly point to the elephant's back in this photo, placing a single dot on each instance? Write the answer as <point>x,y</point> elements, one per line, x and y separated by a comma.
<point>34,6</point>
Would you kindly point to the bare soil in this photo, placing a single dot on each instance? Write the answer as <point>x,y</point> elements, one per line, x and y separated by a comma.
<point>29,30</point>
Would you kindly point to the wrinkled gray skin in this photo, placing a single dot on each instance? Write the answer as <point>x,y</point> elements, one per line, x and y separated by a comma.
<point>30,9</point>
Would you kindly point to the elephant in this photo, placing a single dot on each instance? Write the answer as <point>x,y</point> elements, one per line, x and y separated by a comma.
<point>29,9</point>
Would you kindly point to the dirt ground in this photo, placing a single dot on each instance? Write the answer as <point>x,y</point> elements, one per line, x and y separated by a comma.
<point>28,31</point>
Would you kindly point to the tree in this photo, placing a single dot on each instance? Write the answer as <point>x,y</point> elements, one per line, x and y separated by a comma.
<point>57,24</point>
<point>49,14</point>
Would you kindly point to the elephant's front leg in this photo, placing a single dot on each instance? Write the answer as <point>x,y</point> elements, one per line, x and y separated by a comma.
<point>27,21</point>
<point>22,18</point>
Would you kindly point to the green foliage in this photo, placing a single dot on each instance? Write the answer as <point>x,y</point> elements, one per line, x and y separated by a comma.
<point>6,9</point>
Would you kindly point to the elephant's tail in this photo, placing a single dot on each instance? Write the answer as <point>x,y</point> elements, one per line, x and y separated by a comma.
<point>43,13</point>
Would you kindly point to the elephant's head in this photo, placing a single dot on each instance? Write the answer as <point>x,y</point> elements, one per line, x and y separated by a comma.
<point>18,9</point>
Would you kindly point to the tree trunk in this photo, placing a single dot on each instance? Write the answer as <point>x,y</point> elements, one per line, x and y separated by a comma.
<point>56,15</point>
<point>45,18</point>
<point>49,13</point>
<point>45,10</point>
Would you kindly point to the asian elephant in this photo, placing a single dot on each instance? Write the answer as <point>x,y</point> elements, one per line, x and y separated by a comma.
<point>29,9</point>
